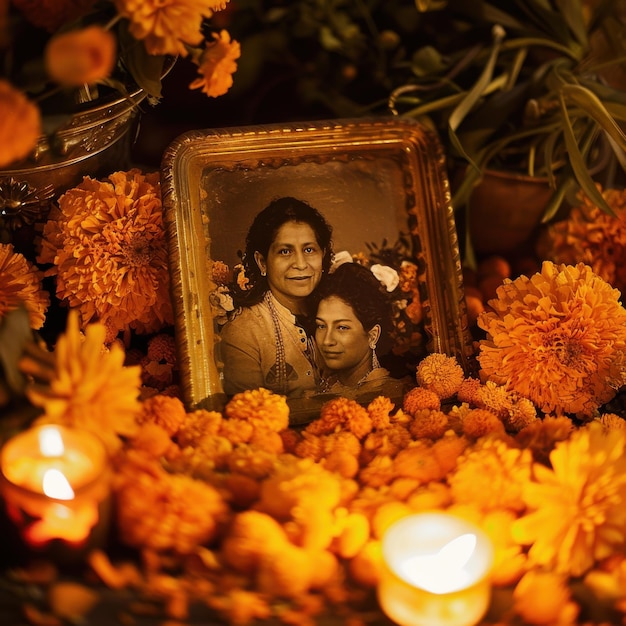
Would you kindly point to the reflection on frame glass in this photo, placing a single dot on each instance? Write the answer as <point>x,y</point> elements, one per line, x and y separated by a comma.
<point>381,185</point>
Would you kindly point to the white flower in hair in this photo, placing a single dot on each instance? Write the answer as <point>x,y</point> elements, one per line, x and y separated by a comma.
<point>386,275</point>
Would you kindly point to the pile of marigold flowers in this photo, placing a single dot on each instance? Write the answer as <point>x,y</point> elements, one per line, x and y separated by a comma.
<point>236,512</point>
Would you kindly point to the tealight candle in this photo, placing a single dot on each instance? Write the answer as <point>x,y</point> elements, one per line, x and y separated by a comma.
<point>56,486</point>
<point>435,571</point>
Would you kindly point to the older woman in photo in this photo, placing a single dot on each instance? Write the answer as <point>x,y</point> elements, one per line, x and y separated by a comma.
<point>266,344</point>
<point>353,320</point>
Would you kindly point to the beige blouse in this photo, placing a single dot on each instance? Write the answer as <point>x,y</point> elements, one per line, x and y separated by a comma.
<point>263,346</point>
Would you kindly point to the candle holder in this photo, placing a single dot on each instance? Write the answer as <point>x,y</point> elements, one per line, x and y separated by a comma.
<point>55,482</point>
<point>435,571</point>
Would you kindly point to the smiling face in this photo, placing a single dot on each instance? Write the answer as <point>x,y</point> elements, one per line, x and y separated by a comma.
<point>293,264</point>
<point>342,341</point>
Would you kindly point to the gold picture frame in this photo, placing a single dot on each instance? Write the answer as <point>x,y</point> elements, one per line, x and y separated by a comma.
<point>373,178</point>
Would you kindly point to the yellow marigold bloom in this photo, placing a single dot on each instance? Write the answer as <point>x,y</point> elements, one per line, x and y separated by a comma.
<point>388,441</point>
<point>298,485</point>
<point>557,338</point>
<point>166,411</point>
<point>106,242</point>
<point>20,124</point>
<point>21,285</point>
<point>249,461</point>
<point>216,65</point>
<point>544,598</point>
<point>236,430</point>
<point>167,27</point>
<point>78,57</point>
<point>577,507</point>
<point>91,388</point>
<point>418,461</point>
<point>491,462</point>
<point>611,421</point>
<point>440,373</point>
<point>591,236</point>
<point>259,407</point>
<point>51,14</point>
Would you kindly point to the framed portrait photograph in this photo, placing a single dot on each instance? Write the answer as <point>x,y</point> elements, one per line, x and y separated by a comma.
<point>380,185</point>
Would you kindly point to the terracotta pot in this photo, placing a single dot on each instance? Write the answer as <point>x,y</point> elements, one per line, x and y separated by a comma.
<point>504,211</point>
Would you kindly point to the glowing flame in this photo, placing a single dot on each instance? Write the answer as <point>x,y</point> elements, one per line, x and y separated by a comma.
<point>55,485</point>
<point>51,442</point>
<point>444,570</point>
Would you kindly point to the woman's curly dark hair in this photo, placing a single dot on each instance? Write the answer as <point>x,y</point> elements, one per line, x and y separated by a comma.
<point>364,293</point>
<point>262,233</point>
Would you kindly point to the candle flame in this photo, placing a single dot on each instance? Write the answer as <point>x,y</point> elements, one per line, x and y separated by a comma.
<point>444,570</point>
<point>55,485</point>
<point>51,442</point>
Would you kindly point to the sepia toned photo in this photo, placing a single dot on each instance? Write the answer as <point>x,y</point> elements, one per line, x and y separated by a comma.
<point>313,260</point>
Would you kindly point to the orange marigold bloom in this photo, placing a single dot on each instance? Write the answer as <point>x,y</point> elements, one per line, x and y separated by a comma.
<point>20,124</point>
<point>428,424</point>
<point>236,430</point>
<point>341,441</point>
<point>259,407</point>
<point>440,373</point>
<point>162,348</point>
<point>380,410</point>
<point>341,413</point>
<point>166,411</point>
<point>310,446</point>
<point>21,285</point>
<point>342,462</point>
<point>469,391</point>
<point>216,65</point>
<point>448,449</point>
<point>418,461</point>
<point>161,511</point>
<point>541,436</point>
<point>249,461</point>
<point>168,27</point>
<point>419,398</point>
<point>577,507</point>
<point>491,462</point>
<point>591,236</point>
<point>612,421</point>
<point>267,440</point>
<point>388,441</point>
<point>197,424</point>
<point>78,57</point>
<point>106,242</point>
<point>544,598</point>
<point>480,422</point>
<point>91,388</point>
<point>557,338</point>
<point>52,14</point>
<point>378,472</point>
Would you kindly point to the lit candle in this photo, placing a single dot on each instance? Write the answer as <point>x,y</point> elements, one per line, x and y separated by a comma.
<point>435,571</point>
<point>55,483</point>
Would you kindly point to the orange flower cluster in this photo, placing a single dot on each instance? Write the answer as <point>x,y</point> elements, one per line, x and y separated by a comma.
<point>20,124</point>
<point>591,236</point>
<point>557,338</point>
<point>106,242</point>
<point>21,285</point>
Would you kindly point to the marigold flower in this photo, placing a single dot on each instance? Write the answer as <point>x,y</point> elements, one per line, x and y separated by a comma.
<point>378,472</point>
<point>259,407</point>
<point>387,441</point>
<point>577,507</point>
<point>440,373</point>
<point>167,28</point>
<point>545,598</point>
<point>198,424</point>
<point>106,242</point>
<point>469,391</point>
<point>341,413</point>
<point>541,436</point>
<point>162,348</point>
<point>81,57</point>
<point>244,459</point>
<point>166,411</point>
<point>491,461</point>
<point>236,430</point>
<point>419,398</point>
<point>298,485</point>
<point>478,423</point>
<point>162,511</point>
<point>428,424</point>
<point>21,285</point>
<point>612,421</point>
<point>380,410</point>
<point>52,14</point>
<point>20,124</point>
<point>557,338</point>
<point>448,450</point>
<point>591,236</point>
<point>91,388</point>
<point>418,461</point>
<point>216,65</point>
